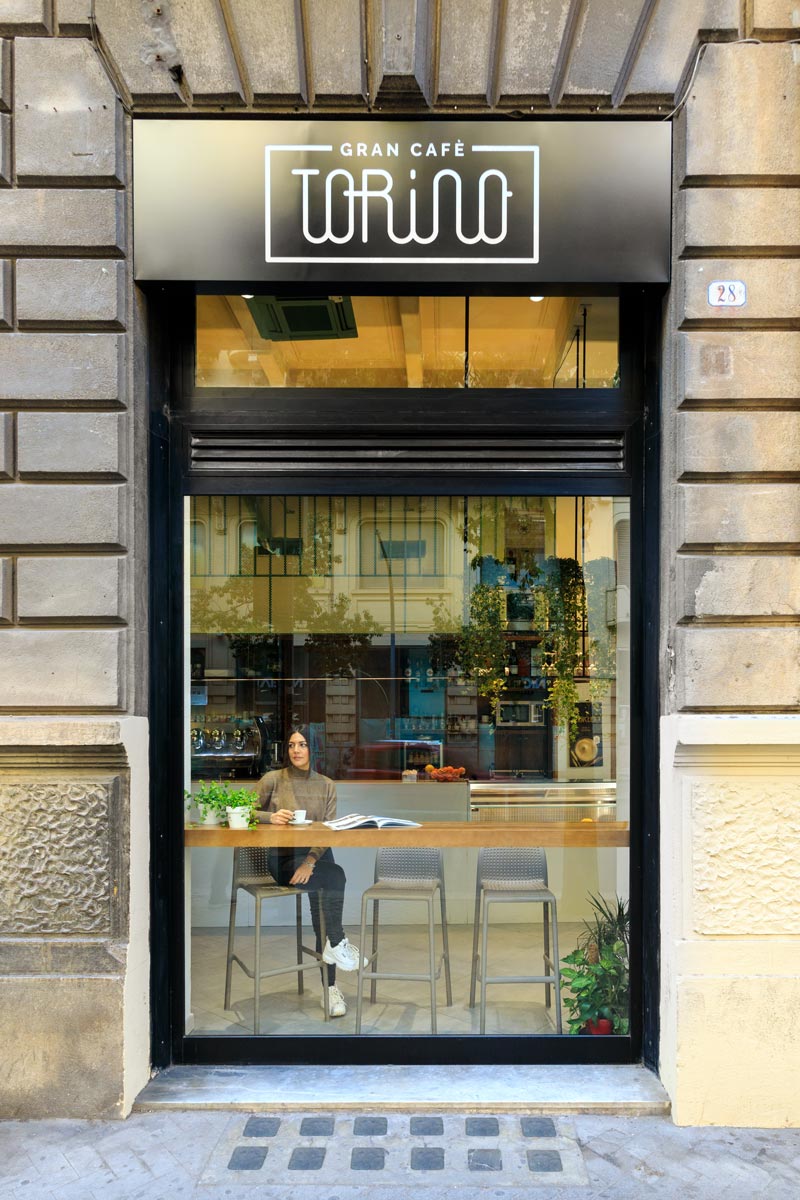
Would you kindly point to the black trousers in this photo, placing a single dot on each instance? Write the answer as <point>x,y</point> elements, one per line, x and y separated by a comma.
<point>327,882</point>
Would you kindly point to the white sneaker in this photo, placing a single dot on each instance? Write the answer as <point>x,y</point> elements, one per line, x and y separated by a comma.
<point>336,1004</point>
<point>343,956</point>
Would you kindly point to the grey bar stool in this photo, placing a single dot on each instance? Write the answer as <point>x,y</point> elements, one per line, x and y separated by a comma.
<point>405,874</point>
<point>513,876</point>
<point>251,874</point>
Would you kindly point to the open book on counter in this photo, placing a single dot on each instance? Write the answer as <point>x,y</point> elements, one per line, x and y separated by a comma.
<point>356,821</point>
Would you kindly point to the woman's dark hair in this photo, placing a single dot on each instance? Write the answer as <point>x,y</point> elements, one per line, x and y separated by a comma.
<point>304,732</point>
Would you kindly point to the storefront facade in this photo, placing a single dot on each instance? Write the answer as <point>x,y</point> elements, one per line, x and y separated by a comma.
<point>236,533</point>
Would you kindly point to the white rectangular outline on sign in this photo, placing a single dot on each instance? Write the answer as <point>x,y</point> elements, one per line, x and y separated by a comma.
<point>534,150</point>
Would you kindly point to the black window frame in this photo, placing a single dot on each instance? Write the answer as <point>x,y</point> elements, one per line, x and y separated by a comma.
<point>177,409</point>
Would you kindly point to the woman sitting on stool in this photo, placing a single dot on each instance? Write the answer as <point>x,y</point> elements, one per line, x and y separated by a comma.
<point>281,794</point>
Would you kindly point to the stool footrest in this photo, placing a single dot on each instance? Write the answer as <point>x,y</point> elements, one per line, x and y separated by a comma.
<point>518,979</point>
<point>291,969</point>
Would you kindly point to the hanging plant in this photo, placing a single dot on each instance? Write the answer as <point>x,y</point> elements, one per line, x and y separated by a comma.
<point>559,601</point>
<point>483,649</point>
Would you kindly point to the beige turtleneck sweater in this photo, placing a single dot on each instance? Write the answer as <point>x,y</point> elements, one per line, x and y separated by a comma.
<point>292,788</point>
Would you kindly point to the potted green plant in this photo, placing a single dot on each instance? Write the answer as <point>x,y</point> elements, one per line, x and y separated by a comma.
<point>597,972</point>
<point>217,802</point>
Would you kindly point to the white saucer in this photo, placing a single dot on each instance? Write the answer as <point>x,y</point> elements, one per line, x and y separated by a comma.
<point>301,822</point>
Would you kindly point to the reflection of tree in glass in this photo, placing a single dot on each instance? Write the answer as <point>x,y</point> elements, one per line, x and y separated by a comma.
<point>559,598</point>
<point>339,639</point>
<point>563,600</point>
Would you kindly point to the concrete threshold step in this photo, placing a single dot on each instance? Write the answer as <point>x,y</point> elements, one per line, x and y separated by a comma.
<point>629,1090</point>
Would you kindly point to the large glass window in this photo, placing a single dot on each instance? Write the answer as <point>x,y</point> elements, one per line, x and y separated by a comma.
<point>461,662</point>
<point>407,341</point>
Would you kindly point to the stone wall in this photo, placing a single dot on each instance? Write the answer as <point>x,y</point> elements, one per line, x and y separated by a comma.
<point>73,582</point>
<point>730,782</point>
<point>74,987</point>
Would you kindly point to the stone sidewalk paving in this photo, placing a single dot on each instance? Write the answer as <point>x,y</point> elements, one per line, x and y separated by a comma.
<point>215,1155</point>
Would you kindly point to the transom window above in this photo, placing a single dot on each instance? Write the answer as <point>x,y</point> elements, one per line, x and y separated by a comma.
<point>338,341</point>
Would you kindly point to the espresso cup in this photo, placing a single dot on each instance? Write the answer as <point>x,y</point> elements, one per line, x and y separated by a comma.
<point>299,815</point>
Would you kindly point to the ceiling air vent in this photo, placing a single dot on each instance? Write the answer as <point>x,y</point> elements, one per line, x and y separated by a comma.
<point>303,319</point>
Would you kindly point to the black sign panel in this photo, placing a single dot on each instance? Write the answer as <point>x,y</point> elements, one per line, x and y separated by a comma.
<point>411,201</point>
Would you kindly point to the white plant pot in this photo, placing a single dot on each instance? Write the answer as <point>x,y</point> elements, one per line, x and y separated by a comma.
<point>212,817</point>
<point>238,818</point>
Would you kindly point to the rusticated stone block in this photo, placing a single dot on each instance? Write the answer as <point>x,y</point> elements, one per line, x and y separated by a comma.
<point>68,587</point>
<point>61,219</point>
<point>56,668</point>
<point>57,870</point>
<point>739,586</point>
<point>737,668</point>
<point>775,16</point>
<point>738,441</point>
<point>70,290</point>
<point>146,40</point>
<point>272,65</point>
<point>74,17</point>
<point>773,288</point>
<point>735,217</point>
<point>67,120</point>
<point>766,85</point>
<point>463,66</point>
<point>336,47</point>
<point>62,1046</point>
<point>711,513</point>
<point>60,366</point>
<point>75,955</point>
<point>53,514</point>
<point>25,16</point>
<point>5,294</point>
<point>68,442</point>
<point>5,148</point>
<point>6,445</point>
<point>5,75</point>
<point>6,585</point>
<point>745,856</point>
<point>729,364</point>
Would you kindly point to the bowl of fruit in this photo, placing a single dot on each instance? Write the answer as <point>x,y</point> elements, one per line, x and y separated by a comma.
<point>445,774</point>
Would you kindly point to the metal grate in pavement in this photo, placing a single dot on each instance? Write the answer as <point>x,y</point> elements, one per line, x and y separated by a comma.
<point>491,1150</point>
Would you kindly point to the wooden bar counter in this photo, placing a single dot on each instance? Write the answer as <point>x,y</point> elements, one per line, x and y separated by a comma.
<point>470,834</point>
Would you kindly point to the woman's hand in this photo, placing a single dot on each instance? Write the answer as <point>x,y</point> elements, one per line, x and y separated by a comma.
<point>303,873</point>
<point>282,817</point>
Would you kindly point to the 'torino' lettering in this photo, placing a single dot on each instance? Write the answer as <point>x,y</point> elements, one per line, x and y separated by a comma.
<point>374,199</point>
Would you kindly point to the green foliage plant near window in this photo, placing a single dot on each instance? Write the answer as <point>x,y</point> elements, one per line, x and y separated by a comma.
<point>217,797</point>
<point>597,972</point>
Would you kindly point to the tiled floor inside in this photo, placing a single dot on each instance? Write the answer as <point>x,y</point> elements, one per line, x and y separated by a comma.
<point>489,1150</point>
<point>401,1008</point>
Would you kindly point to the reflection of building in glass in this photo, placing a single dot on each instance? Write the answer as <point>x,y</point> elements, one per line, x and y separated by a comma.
<point>394,624</point>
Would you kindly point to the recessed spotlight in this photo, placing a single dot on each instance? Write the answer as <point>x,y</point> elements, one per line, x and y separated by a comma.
<point>536,299</point>
<point>244,297</point>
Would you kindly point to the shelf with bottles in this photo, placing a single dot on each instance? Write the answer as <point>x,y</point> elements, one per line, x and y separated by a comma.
<point>423,727</point>
<point>462,724</point>
<point>524,661</point>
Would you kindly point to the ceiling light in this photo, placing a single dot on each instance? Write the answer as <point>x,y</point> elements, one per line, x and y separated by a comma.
<point>536,299</point>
